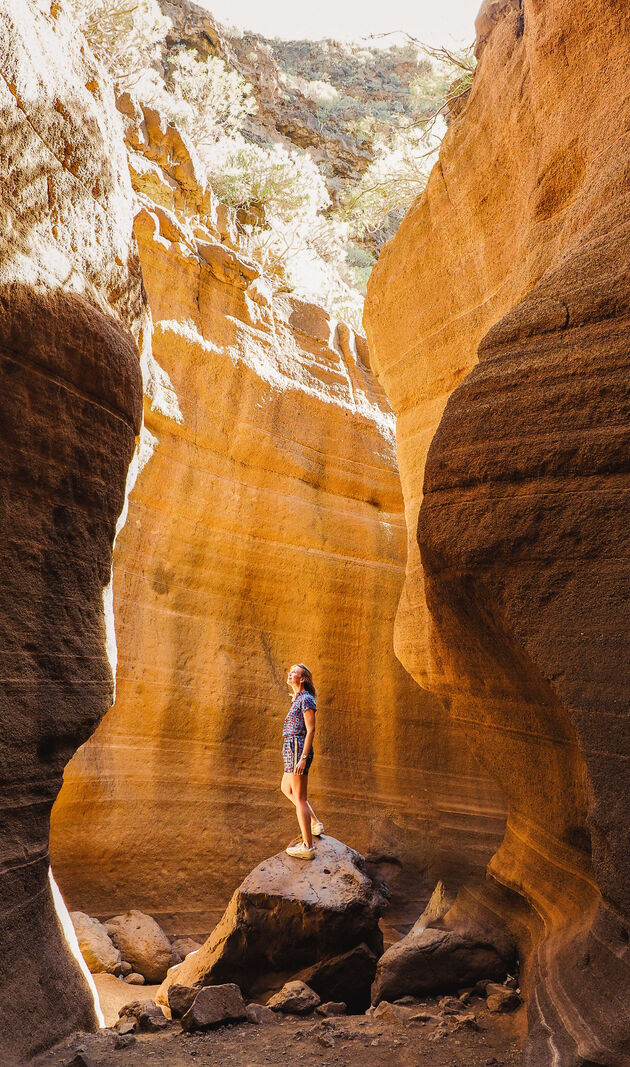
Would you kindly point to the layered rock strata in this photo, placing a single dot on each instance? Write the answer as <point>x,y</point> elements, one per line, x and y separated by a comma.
<point>266,528</point>
<point>497,319</point>
<point>70,296</point>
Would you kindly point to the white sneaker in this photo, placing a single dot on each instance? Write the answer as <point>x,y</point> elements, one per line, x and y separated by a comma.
<point>301,851</point>
<point>317,828</point>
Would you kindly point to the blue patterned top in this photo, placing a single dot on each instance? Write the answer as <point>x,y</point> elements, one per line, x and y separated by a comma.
<point>294,725</point>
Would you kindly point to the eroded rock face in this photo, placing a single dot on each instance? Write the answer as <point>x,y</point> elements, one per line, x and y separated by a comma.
<point>71,407</point>
<point>513,610</point>
<point>266,528</point>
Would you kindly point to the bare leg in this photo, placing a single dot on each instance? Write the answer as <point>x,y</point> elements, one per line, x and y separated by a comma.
<point>287,789</point>
<point>299,786</point>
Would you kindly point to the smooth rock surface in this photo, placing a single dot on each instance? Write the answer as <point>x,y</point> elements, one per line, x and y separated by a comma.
<point>142,942</point>
<point>215,1006</point>
<point>498,324</point>
<point>269,523</point>
<point>286,915</point>
<point>97,948</point>
<point>70,305</point>
<point>295,998</point>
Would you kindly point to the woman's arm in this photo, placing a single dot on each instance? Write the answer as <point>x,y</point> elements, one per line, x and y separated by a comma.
<point>309,722</point>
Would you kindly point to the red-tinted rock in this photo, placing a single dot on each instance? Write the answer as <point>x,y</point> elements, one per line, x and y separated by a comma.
<point>71,404</point>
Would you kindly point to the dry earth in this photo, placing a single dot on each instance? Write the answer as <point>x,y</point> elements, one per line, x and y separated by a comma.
<point>353,1041</point>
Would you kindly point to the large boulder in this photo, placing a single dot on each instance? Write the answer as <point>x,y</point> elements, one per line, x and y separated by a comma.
<point>436,961</point>
<point>286,915</point>
<point>142,942</point>
<point>97,948</point>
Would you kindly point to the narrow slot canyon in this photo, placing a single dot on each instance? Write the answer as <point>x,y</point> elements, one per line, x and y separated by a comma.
<point>212,473</point>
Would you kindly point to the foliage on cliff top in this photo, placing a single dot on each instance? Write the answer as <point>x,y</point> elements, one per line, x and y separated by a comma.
<point>331,141</point>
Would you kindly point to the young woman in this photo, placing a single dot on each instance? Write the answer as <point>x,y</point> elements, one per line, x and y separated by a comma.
<point>297,753</point>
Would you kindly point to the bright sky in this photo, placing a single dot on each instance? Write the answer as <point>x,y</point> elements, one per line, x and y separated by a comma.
<point>435,22</point>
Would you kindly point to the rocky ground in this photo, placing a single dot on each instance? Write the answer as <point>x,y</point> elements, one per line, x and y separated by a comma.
<point>350,1041</point>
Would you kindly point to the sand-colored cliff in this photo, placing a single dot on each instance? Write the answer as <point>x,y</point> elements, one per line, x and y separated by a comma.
<point>497,320</point>
<point>266,528</point>
<point>70,307</point>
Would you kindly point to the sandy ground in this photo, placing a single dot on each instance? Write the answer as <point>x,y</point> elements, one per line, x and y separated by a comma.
<point>352,1041</point>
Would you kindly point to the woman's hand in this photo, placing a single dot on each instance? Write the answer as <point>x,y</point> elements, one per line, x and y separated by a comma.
<point>301,765</point>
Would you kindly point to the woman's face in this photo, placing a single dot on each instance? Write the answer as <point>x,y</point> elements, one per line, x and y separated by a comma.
<point>294,678</point>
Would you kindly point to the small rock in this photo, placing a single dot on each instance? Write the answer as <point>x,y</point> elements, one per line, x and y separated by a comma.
<point>481,986</point>
<point>500,999</point>
<point>423,1017</point>
<point>260,1013</point>
<point>134,979</point>
<point>295,998</point>
<point>124,1041</point>
<point>392,1013</point>
<point>467,1021</point>
<point>126,1025</point>
<point>492,1061</point>
<point>149,1016</point>
<point>325,1040</point>
<point>405,1001</point>
<point>214,1006</point>
<point>450,1005</point>
<point>181,998</point>
<point>332,1007</point>
<point>511,983</point>
<point>82,1058</point>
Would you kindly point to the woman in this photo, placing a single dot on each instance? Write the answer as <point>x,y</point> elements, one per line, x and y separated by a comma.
<point>297,752</point>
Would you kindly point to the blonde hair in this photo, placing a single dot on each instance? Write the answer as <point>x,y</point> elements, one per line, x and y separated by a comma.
<point>307,679</point>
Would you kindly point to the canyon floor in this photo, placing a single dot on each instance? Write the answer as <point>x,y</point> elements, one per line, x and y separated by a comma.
<point>350,1041</point>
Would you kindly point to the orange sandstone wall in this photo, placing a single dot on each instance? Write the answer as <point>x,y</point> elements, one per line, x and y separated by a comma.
<point>265,528</point>
<point>498,324</point>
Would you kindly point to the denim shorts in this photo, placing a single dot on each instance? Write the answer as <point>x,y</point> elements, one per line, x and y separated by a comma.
<point>292,753</point>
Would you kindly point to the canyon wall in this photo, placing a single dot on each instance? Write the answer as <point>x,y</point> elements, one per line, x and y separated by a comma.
<point>70,297</point>
<point>266,528</point>
<point>498,324</point>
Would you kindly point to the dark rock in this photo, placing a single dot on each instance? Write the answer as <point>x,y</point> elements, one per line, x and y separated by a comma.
<point>260,1013</point>
<point>181,998</point>
<point>126,1025</point>
<point>500,999</point>
<point>149,1016</point>
<point>214,1006</point>
<point>436,961</point>
<point>295,998</point>
<point>332,1007</point>
<point>450,1005</point>
<point>287,915</point>
<point>124,1041</point>
<point>347,978</point>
